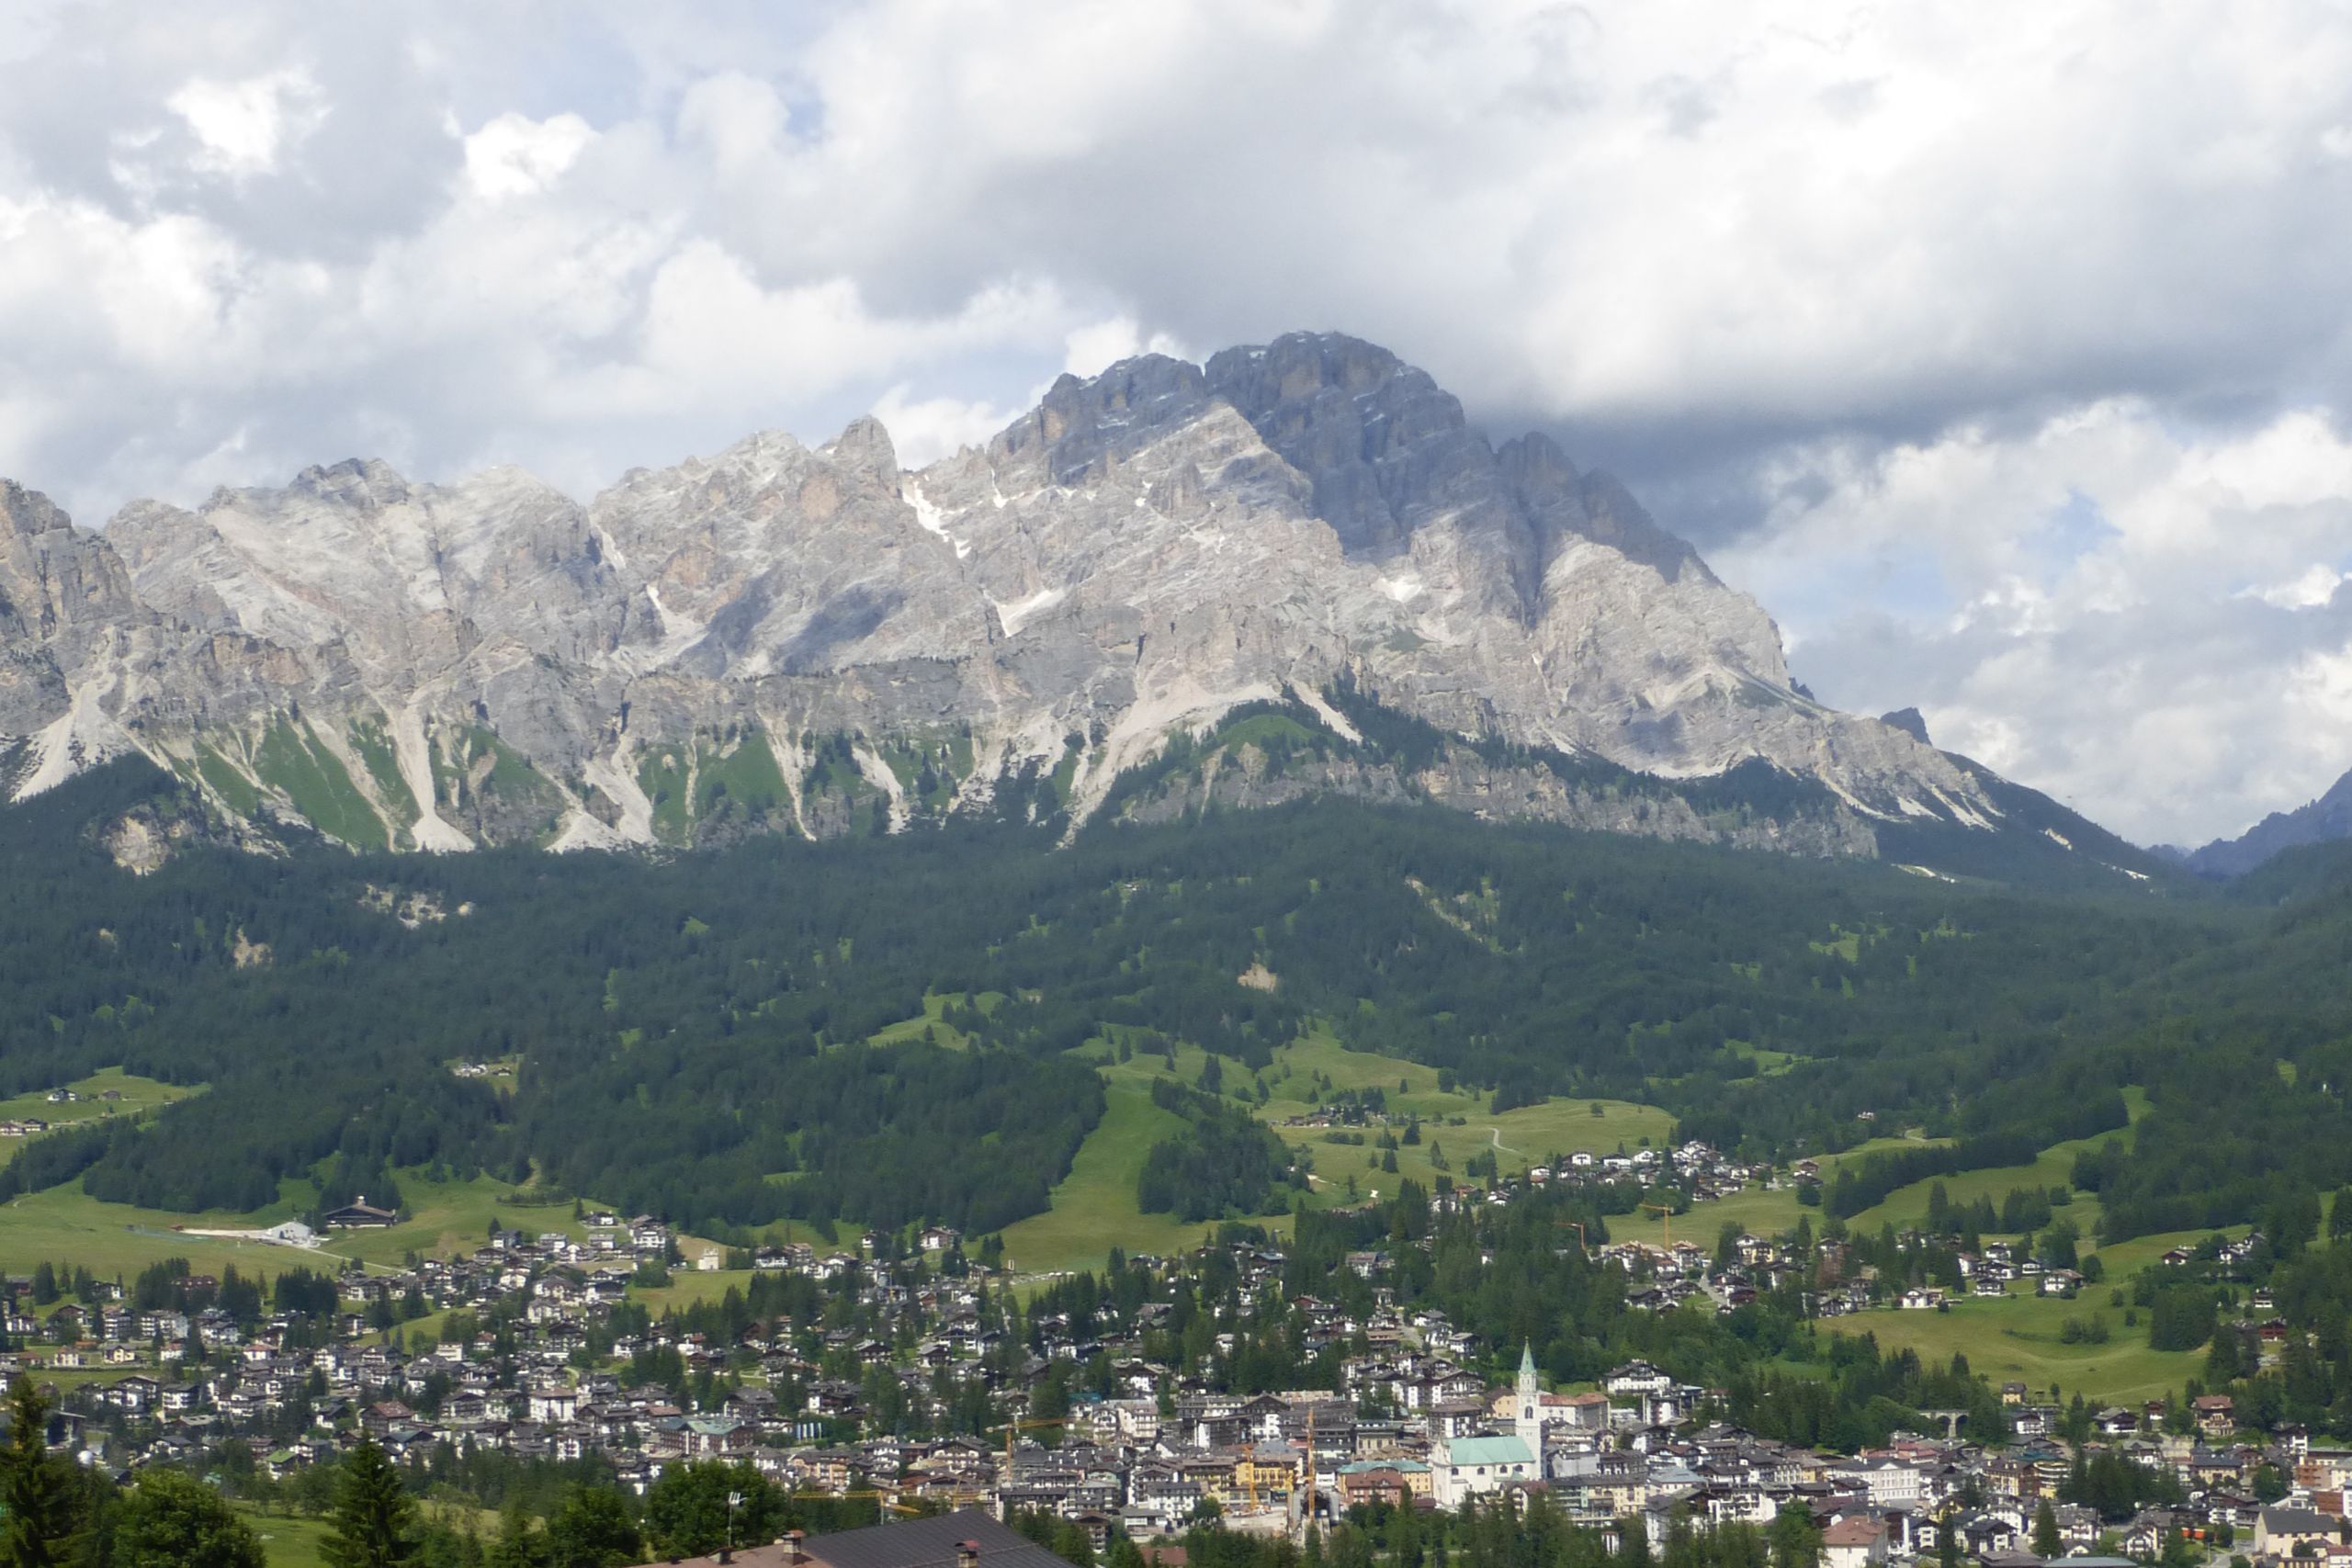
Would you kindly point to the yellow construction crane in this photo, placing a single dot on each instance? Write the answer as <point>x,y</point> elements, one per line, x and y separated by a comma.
<point>1012,1429</point>
<point>1665,1212</point>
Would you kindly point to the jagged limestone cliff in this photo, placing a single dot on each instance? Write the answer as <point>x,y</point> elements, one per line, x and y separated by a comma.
<point>813,640</point>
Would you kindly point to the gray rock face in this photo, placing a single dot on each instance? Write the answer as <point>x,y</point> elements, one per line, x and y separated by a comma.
<point>786,638</point>
<point>1910,721</point>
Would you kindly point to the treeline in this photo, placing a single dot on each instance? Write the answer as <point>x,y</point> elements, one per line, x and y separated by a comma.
<point>1866,1183</point>
<point>694,1035</point>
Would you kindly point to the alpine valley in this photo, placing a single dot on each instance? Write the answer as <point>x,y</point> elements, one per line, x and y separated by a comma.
<point>1295,571</point>
<point>1238,832</point>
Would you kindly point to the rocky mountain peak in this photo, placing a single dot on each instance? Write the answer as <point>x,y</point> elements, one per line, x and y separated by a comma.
<point>363,483</point>
<point>1908,720</point>
<point>781,639</point>
<point>866,447</point>
<point>1379,440</point>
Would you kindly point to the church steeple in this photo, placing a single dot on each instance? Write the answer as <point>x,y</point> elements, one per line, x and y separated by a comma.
<point>1530,1402</point>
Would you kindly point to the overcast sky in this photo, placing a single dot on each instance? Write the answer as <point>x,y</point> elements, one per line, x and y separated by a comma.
<point>2000,349</point>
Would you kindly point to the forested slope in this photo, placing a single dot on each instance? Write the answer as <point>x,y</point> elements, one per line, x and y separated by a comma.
<point>694,1034</point>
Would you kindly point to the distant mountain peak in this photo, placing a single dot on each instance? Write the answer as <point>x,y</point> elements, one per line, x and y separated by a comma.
<point>2322,821</point>
<point>1910,722</point>
<point>815,641</point>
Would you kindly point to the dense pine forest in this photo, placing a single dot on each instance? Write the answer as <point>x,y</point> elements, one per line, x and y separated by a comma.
<point>699,1036</point>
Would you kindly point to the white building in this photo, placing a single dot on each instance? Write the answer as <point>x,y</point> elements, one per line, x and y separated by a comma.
<point>1472,1467</point>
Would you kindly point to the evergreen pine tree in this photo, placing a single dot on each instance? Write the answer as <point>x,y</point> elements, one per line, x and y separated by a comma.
<point>2046,1543</point>
<point>36,1527</point>
<point>374,1518</point>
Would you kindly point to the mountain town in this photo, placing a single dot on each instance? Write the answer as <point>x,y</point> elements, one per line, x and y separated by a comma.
<point>903,1377</point>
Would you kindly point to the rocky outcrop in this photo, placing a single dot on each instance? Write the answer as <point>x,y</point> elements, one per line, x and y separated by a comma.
<point>815,640</point>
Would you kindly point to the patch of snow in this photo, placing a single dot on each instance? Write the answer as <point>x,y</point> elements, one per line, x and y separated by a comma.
<point>1830,783</point>
<point>611,551</point>
<point>1327,713</point>
<point>1404,587</point>
<point>2056,838</point>
<point>1016,616</point>
<point>415,763</point>
<point>2126,871</point>
<point>1926,871</point>
<point>1910,807</point>
<point>1964,814</point>
<point>934,521</point>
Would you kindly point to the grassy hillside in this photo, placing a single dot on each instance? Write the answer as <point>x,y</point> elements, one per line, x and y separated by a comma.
<point>2018,1336</point>
<point>66,1225</point>
<point>1095,1208</point>
<point>1907,1206</point>
<point>136,1096</point>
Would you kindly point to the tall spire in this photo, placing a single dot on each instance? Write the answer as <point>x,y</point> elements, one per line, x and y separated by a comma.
<point>1528,1414</point>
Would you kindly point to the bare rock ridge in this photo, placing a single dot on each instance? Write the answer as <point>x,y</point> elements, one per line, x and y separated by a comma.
<point>816,641</point>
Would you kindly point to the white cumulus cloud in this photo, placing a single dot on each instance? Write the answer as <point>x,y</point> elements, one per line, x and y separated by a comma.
<point>1991,345</point>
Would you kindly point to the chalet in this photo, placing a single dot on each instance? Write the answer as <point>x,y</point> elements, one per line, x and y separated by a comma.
<point>2281,1533</point>
<point>1856,1541</point>
<point>359,1215</point>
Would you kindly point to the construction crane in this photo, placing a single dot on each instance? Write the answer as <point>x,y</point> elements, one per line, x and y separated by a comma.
<point>1012,1429</point>
<point>1664,1213</point>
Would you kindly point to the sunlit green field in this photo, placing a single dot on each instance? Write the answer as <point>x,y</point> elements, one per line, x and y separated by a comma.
<point>137,1096</point>
<point>2018,1336</point>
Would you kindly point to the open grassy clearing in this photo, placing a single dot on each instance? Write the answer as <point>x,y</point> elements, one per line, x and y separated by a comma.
<point>292,1540</point>
<point>66,1224</point>
<point>136,1094</point>
<point>1768,1064</point>
<point>1094,1206</point>
<point>1759,1211</point>
<point>929,1024</point>
<point>2054,1166</point>
<point>451,1217</point>
<point>2018,1336</point>
<point>289,1539</point>
<point>691,1287</point>
<point>136,1097</point>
